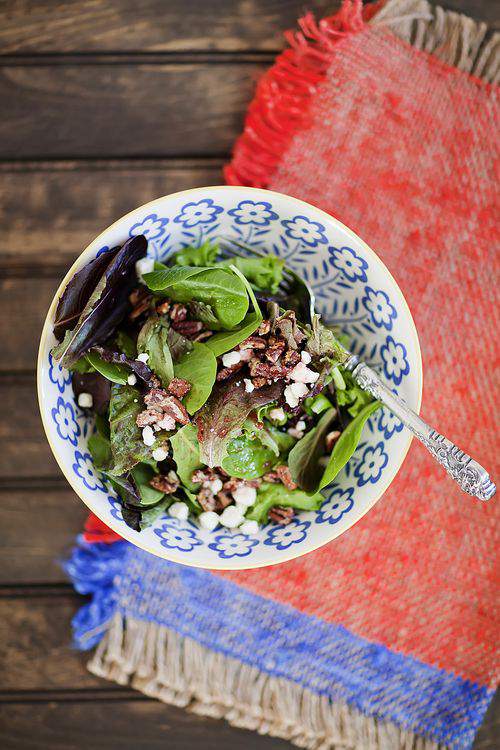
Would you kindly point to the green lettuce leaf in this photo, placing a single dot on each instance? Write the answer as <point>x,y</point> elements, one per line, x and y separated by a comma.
<point>126,344</point>
<point>352,396</point>
<point>347,444</point>
<point>269,495</point>
<point>142,475</point>
<point>322,342</point>
<point>204,255</point>
<point>153,340</point>
<point>303,459</point>
<point>186,454</point>
<point>198,367</point>
<point>100,449</point>
<point>114,372</point>
<point>127,445</point>
<point>248,458</point>
<point>265,273</point>
<point>224,341</point>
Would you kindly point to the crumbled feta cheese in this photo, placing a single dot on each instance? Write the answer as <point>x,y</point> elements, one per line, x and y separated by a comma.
<point>215,485</point>
<point>277,415</point>
<point>245,495</point>
<point>166,423</point>
<point>301,425</point>
<point>132,379</point>
<point>144,265</point>
<point>231,358</point>
<point>290,397</point>
<point>299,389</point>
<point>160,454</point>
<point>295,433</point>
<point>85,400</point>
<point>148,436</point>
<point>143,357</point>
<point>249,386</point>
<point>302,374</point>
<point>305,357</point>
<point>208,520</point>
<point>231,517</point>
<point>179,510</point>
<point>249,527</point>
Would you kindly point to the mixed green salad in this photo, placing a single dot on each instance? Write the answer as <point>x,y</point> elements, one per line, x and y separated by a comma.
<point>212,396</point>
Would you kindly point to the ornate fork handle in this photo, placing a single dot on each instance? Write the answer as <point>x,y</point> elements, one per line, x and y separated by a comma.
<point>470,475</point>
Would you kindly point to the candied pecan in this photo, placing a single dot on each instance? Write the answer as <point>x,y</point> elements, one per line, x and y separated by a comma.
<point>232,484</point>
<point>206,499</point>
<point>176,410</point>
<point>274,352</point>
<point>222,500</point>
<point>226,372</point>
<point>178,312</point>
<point>264,328</point>
<point>259,382</point>
<point>253,342</point>
<point>331,439</point>
<point>188,328</point>
<point>281,515</point>
<point>179,387</point>
<point>148,417</point>
<point>291,358</point>
<point>163,307</point>
<point>271,477</point>
<point>140,299</point>
<point>203,475</point>
<point>265,370</point>
<point>156,398</point>
<point>165,483</point>
<point>286,478</point>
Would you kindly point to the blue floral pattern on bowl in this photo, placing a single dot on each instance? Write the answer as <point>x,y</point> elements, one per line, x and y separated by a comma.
<point>353,291</point>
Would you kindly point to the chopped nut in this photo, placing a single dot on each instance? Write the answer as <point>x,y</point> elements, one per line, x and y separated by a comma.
<point>148,417</point>
<point>167,484</point>
<point>253,342</point>
<point>281,515</point>
<point>156,398</point>
<point>291,358</point>
<point>331,439</point>
<point>203,475</point>
<point>163,307</point>
<point>140,299</point>
<point>226,372</point>
<point>179,387</point>
<point>271,477</point>
<point>274,352</point>
<point>264,328</point>
<point>286,478</point>
<point>259,382</point>
<point>265,370</point>
<point>206,499</point>
<point>223,499</point>
<point>166,405</point>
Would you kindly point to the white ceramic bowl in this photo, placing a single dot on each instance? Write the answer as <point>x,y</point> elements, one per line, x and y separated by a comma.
<point>353,288</point>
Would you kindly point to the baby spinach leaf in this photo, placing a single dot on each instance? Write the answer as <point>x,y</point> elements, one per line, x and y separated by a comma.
<point>153,340</point>
<point>126,365</point>
<point>224,414</point>
<point>248,458</point>
<point>186,452</point>
<point>100,449</point>
<point>198,367</point>
<point>264,273</point>
<point>204,255</point>
<point>269,495</point>
<point>126,437</point>
<point>346,444</point>
<point>142,475</point>
<point>77,292</point>
<point>113,372</point>
<point>283,440</point>
<point>220,288</point>
<point>106,306</point>
<point>303,459</point>
<point>224,341</point>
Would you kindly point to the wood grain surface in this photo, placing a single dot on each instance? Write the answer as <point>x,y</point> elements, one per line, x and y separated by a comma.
<point>106,104</point>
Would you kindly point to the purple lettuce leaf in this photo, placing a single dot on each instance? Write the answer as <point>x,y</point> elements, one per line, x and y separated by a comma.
<point>139,368</point>
<point>95,384</point>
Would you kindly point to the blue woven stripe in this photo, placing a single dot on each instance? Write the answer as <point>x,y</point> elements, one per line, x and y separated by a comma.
<point>283,642</point>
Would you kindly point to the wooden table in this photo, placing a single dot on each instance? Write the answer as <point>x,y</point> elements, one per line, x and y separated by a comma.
<point>106,104</point>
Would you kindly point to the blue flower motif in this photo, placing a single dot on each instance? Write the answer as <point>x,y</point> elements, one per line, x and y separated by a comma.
<point>372,464</point>
<point>58,375</point>
<point>309,232</point>
<point>63,416</point>
<point>151,227</point>
<point>84,468</point>
<point>283,537</point>
<point>396,364</point>
<point>381,311</point>
<point>174,535</point>
<point>233,545</point>
<point>116,508</point>
<point>202,212</point>
<point>253,212</point>
<point>344,259</point>
<point>388,424</point>
<point>338,504</point>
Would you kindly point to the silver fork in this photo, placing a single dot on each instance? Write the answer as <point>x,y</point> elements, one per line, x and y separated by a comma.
<point>467,473</point>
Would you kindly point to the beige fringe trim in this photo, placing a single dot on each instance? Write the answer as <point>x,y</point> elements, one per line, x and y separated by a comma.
<point>452,37</point>
<point>164,665</point>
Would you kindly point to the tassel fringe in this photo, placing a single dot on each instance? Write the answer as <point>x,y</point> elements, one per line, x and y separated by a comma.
<point>177,670</point>
<point>283,98</point>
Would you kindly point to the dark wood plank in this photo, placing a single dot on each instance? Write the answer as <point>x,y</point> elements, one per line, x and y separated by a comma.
<point>50,211</point>
<point>488,736</point>
<point>123,110</point>
<point>127,725</point>
<point>39,528</point>
<point>152,25</point>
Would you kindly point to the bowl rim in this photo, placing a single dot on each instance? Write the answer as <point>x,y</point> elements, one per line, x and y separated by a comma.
<point>229,565</point>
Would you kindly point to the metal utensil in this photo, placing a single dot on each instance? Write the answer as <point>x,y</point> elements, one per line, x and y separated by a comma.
<point>467,473</point>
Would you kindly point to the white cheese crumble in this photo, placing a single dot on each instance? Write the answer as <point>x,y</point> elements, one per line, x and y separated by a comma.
<point>132,379</point>
<point>144,265</point>
<point>277,415</point>
<point>215,485</point>
<point>85,400</point>
<point>148,436</point>
<point>231,358</point>
<point>302,374</point>
<point>209,520</point>
<point>245,495</point>
<point>143,357</point>
<point>179,510</point>
<point>249,527</point>
<point>294,392</point>
<point>249,386</point>
<point>160,454</point>
<point>305,357</point>
<point>231,517</point>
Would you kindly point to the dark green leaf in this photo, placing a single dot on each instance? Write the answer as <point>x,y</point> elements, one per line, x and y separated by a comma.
<point>153,340</point>
<point>142,475</point>
<point>186,452</point>
<point>115,373</point>
<point>269,495</point>
<point>126,437</point>
<point>204,313</point>
<point>223,342</point>
<point>198,367</point>
<point>346,444</point>
<point>100,450</point>
<point>82,366</point>
<point>126,344</point>
<point>303,459</point>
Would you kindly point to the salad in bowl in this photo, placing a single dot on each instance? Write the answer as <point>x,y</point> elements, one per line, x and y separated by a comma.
<point>205,416</point>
